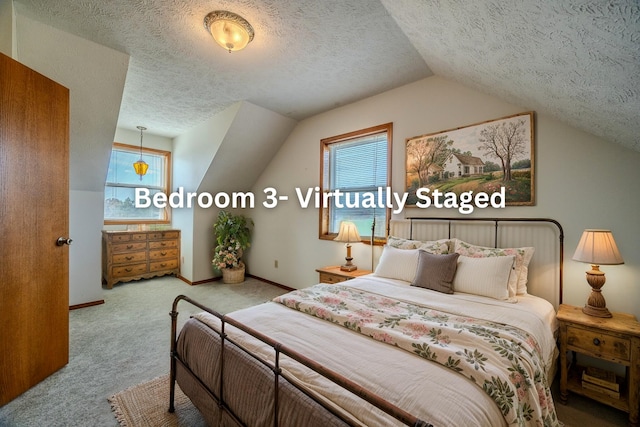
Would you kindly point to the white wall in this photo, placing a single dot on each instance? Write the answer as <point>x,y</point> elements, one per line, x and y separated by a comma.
<point>7,28</point>
<point>581,181</point>
<point>86,209</point>
<point>95,76</point>
<point>225,154</point>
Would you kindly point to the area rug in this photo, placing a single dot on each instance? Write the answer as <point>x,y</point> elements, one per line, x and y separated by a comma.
<point>147,404</point>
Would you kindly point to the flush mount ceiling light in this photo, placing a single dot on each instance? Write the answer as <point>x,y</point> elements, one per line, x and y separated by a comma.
<point>229,30</point>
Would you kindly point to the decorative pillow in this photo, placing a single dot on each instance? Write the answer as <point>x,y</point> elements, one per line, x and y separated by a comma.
<point>434,247</point>
<point>436,272</point>
<point>517,281</point>
<point>400,243</point>
<point>488,276</point>
<point>397,263</point>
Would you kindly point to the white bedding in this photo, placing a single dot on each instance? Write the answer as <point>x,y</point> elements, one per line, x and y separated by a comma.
<point>423,388</point>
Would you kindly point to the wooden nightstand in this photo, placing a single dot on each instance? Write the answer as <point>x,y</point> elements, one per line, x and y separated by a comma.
<point>615,339</point>
<point>333,274</point>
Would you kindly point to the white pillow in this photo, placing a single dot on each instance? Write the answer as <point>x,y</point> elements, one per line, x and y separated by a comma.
<point>399,264</point>
<point>488,276</point>
<point>518,281</point>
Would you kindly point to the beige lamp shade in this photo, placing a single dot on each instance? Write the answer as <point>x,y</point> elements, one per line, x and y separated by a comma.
<point>230,31</point>
<point>597,247</point>
<point>348,234</point>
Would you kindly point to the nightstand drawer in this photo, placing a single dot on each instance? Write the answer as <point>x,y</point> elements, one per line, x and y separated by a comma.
<point>331,278</point>
<point>599,343</point>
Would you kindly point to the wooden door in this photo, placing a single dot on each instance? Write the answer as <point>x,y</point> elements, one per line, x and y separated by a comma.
<point>34,212</point>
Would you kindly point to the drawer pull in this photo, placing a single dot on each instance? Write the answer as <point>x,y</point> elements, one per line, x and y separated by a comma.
<point>129,258</point>
<point>128,270</point>
<point>163,253</point>
<point>164,264</point>
<point>163,244</point>
<point>129,246</point>
<point>596,341</point>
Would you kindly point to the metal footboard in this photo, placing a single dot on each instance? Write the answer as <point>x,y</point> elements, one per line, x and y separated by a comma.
<point>279,349</point>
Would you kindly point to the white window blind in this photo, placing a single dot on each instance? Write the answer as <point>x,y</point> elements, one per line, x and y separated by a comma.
<point>358,166</point>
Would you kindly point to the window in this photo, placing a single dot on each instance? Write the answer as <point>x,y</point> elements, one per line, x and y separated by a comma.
<point>358,164</point>
<point>119,191</point>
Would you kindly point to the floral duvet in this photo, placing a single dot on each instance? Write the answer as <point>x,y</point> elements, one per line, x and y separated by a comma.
<point>506,362</point>
<point>399,366</point>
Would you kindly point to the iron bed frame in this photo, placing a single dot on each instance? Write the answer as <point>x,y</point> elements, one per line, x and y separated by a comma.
<point>281,349</point>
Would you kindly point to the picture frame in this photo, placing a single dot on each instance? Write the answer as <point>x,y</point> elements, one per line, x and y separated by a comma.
<point>482,157</point>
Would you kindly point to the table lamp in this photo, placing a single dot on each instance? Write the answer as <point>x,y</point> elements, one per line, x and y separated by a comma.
<point>597,247</point>
<point>348,234</point>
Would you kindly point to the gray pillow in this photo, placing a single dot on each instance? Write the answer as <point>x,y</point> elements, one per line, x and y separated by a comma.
<point>436,272</point>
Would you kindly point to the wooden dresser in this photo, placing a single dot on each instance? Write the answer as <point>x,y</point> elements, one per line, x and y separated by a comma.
<point>134,255</point>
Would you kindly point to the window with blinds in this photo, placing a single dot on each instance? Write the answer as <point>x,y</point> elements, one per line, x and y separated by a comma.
<point>119,190</point>
<point>356,169</point>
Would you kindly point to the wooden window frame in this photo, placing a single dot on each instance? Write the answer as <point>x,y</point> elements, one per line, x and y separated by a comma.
<point>324,214</point>
<point>166,189</point>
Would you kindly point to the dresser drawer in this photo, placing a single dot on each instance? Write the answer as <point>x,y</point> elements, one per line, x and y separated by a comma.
<point>163,265</point>
<point>129,270</point>
<point>599,343</point>
<point>160,244</point>
<point>131,246</point>
<point>164,235</point>
<point>130,257</point>
<point>331,278</point>
<point>125,237</point>
<point>162,254</point>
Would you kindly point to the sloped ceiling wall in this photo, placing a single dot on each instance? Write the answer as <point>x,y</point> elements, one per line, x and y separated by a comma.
<point>578,61</point>
<point>95,76</point>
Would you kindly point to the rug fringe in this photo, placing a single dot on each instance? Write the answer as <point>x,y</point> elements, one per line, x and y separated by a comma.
<point>117,413</point>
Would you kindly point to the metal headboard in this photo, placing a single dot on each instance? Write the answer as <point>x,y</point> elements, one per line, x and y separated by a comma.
<point>448,223</point>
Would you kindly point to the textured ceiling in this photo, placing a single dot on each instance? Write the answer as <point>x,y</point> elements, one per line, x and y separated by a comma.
<point>307,56</point>
<point>576,60</point>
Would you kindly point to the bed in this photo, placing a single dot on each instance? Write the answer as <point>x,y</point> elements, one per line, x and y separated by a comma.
<point>411,344</point>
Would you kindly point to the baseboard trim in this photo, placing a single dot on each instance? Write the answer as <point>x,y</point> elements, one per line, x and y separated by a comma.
<point>216,279</point>
<point>199,282</point>
<point>86,304</point>
<point>271,283</point>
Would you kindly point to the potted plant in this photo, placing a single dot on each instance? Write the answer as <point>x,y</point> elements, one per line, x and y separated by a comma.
<point>233,236</point>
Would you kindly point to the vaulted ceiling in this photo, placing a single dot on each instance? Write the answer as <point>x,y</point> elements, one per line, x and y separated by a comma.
<point>576,60</point>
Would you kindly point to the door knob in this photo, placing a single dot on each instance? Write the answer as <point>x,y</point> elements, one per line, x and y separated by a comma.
<point>63,241</point>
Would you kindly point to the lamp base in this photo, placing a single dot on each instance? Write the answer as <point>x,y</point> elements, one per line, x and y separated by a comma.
<point>596,305</point>
<point>596,311</point>
<point>348,267</point>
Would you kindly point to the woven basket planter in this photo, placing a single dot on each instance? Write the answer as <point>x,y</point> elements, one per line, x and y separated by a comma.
<point>233,275</point>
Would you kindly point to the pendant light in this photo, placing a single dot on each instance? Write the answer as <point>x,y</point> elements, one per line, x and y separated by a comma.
<point>140,166</point>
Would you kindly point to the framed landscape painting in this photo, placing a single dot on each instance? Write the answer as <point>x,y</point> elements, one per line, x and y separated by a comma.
<point>482,157</point>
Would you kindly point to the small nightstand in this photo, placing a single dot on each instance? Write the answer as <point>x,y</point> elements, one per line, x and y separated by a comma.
<point>333,274</point>
<point>615,339</point>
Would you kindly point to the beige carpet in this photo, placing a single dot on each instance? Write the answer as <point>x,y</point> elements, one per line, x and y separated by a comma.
<point>147,404</point>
